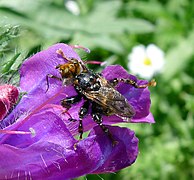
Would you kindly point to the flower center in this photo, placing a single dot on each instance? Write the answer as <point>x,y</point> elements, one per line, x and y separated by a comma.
<point>147,61</point>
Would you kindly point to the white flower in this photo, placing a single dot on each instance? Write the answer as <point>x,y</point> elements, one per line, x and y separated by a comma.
<point>72,6</point>
<point>146,61</point>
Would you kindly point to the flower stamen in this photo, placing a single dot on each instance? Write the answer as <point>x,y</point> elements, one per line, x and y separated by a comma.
<point>147,61</point>
<point>31,132</point>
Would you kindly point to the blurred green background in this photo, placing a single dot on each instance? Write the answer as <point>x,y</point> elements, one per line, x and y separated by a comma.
<point>111,29</point>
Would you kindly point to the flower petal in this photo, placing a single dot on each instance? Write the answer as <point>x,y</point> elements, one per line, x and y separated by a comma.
<point>148,119</point>
<point>114,158</point>
<point>157,57</point>
<point>46,160</point>
<point>51,154</point>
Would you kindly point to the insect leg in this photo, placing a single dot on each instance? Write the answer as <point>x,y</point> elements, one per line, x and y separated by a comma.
<point>83,111</point>
<point>115,81</point>
<point>67,102</point>
<point>60,52</point>
<point>53,77</point>
<point>97,117</point>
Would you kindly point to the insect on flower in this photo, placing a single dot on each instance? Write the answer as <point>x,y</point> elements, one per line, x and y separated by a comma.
<point>96,91</point>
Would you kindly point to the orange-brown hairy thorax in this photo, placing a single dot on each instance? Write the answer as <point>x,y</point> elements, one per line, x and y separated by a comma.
<point>70,69</point>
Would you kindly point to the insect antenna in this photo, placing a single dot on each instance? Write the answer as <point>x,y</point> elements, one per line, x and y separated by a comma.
<point>30,132</point>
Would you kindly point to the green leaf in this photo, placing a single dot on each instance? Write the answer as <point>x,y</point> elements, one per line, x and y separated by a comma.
<point>152,9</point>
<point>7,67</point>
<point>62,21</point>
<point>178,57</point>
<point>7,34</point>
<point>104,20</point>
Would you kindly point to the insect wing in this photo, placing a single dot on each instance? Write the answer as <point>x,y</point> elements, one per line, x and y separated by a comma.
<point>112,100</point>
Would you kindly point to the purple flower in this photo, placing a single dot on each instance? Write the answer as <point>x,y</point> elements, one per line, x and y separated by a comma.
<point>51,153</point>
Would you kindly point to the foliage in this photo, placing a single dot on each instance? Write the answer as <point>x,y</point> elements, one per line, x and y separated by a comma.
<point>110,29</point>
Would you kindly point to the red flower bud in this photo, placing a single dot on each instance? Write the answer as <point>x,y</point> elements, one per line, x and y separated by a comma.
<point>8,97</point>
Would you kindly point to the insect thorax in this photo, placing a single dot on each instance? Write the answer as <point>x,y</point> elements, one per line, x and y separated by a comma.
<point>88,81</point>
